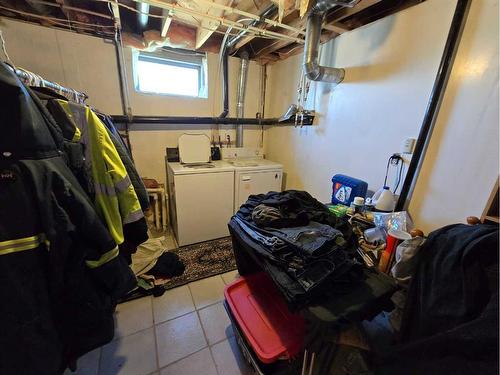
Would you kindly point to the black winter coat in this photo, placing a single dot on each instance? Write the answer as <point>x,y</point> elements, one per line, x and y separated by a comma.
<point>60,273</point>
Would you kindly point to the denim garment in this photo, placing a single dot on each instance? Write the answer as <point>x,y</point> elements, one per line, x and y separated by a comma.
<point>309,238</point>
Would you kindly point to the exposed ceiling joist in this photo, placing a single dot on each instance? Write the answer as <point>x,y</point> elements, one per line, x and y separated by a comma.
<point>208,27</point>
<point>298,23</point>
<point>204,32</point>
<point>238,25</point>
<point>247,39</point>
<point>115,9</point>
<point>337,28</point>
<point>165,24</point>
<point>199,24</point>
<point>345,12</point>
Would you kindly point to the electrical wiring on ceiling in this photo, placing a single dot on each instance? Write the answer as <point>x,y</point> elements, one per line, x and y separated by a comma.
<point>48,18</point>
<point>230,25</point>
<point>221,21</point>
<point>67,7</point>
<point>198,25</point>
<point>90,26</point>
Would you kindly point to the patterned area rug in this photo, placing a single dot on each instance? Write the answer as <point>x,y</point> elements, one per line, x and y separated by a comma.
<point>203,260</point>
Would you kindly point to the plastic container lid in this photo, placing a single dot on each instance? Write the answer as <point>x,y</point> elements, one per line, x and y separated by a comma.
<point>359,201</point>
<point>194,148</point>
<point>269,327</point>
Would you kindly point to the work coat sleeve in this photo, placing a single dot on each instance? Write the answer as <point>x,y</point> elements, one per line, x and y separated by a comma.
<point>133,221</point>
<point>101,255</point>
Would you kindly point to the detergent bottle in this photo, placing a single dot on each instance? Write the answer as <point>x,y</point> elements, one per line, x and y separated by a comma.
<point>384,200</point>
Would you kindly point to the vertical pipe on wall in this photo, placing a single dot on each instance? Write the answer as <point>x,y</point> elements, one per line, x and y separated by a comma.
<point>225,82</point>
<point>262,100</point>
<point>435,99</point>
<point>127,110</point>
<point>240,102</point>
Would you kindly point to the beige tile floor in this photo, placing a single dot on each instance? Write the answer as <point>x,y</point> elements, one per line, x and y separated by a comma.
<point>184,332</point>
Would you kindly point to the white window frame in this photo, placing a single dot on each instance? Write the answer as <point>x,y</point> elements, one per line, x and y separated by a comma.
<point>179,58</point>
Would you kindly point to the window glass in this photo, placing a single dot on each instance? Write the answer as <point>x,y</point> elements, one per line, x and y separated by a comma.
<point>167,76</point>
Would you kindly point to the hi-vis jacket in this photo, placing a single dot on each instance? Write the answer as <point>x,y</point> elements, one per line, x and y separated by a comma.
<point>60,272</point>
<point>113,192</point>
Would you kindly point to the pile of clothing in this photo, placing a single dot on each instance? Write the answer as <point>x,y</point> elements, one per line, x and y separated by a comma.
<point>450,320</point>
<point>71,203</point>
<point>299,235</point>
<point>154,266</point>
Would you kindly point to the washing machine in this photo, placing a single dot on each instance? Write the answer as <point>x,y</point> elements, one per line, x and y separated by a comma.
<point>201,200</point>
<point>255,176</point>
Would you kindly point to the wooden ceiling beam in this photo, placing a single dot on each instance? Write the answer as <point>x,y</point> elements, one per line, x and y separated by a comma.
<point>337,27</point>
<point>165,23</point>
<point>345,12</point>
<point>332,24</point>
<point>290,16</point>
<point>208,27</point>
<point>298,23</point>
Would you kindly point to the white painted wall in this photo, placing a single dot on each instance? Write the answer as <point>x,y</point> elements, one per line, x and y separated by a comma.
<point>89,64</point>
<point>390,68</point>
<point>461,164</point>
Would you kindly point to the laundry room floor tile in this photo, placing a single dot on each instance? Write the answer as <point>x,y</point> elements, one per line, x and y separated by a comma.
<point>228,358</point>
<point>207,291</point>
<point>197,363</point>
<point>179,338</point>
<point>230,276</point>
<point>133,316</point>
<point>131,355</point>
<point>174,303</point>
<point>216,323</point>
<point>88,364</point>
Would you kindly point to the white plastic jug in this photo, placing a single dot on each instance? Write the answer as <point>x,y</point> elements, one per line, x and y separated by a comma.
<point>384,200</point>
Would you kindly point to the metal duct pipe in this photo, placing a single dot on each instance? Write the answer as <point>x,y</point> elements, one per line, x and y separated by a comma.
<point>142,16</point>
<point>240,102</point>
<point>312,69</point>
<point>268,13</point>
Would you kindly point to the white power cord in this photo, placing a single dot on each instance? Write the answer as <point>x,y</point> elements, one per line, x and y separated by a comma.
<point>4,48</point>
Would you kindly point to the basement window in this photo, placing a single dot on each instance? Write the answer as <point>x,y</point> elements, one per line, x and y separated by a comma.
<point>170,72</point>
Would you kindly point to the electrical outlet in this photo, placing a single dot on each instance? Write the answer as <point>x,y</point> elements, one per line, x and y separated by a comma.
<point>408,145</point>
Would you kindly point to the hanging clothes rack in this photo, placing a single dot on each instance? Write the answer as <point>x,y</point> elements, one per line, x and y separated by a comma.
<point>33,79</point>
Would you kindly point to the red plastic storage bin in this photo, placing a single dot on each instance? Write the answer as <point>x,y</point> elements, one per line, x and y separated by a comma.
<point>269,327</point>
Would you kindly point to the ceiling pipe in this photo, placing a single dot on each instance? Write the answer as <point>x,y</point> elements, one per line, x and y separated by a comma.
<point>312,69</point>
<point>237,25</point>
<point>240,101</point>
<point>143,16</point>
<point>189,120</point>
<point>268,13</point>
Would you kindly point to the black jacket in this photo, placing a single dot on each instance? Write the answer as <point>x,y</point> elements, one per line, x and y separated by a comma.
<point>450,322</point>
<point>60,273</point>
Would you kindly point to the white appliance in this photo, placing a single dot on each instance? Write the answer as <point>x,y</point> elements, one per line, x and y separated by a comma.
<point>201,200</point>
<point>255,176</point>
<point>194,148</point>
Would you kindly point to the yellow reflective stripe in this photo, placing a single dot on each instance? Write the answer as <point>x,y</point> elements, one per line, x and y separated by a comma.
<point>18,240</point>
<point>21,244</point>
<point>105,258</point>
<point>77,135</point>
